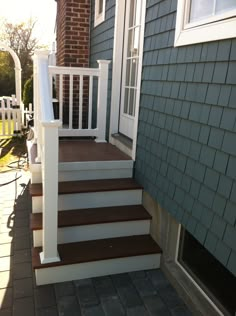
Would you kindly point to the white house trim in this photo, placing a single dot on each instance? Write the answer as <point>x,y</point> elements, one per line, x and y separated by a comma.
<point>117,62</point>
<point>209,29</point>
<point>219,313</point>
<point>99,17</point>
<point>117,70</point>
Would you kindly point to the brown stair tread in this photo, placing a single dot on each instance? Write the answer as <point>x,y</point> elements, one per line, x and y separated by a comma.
<point>86,186</point>
<point>94,216</point>
<point>96,250</point>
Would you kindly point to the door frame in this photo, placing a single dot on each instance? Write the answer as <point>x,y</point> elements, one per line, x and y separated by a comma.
<point>117,71</point>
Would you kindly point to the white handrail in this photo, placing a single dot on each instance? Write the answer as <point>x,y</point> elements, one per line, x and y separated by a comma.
<point>47,141</point>
<point>47,134</point>
<point>75,85</point>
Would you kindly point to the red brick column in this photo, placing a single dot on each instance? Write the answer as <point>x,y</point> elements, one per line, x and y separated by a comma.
<point>73,25</point>
<point>73,43</point>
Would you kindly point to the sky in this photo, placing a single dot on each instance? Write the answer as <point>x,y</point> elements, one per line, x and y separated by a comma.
<point>42,11</point>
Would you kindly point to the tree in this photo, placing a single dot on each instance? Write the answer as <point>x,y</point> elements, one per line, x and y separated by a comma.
<point>7,75</point>
<point>19,37</point>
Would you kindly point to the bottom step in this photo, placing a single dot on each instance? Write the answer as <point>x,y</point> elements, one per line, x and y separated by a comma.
<point>98,257</point>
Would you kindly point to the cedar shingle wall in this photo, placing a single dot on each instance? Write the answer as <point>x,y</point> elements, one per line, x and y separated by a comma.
<point>186,149</point>
<point>101,45</point>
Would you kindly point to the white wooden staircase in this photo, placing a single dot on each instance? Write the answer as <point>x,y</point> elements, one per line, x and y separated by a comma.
<point>102,226</point>
<point>87,217</point>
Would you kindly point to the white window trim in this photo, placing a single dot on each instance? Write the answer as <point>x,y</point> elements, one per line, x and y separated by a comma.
<point>99,18</point>
<point>117,69</point>
<point>219,313</point>
<point>198,32</point>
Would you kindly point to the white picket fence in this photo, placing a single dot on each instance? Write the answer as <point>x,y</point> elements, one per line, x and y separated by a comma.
<point>13,118</point>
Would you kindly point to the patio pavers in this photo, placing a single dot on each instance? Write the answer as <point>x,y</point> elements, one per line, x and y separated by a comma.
<point>143,293</point>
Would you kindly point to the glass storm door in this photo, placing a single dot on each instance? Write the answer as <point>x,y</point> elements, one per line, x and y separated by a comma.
<point>130,69</point>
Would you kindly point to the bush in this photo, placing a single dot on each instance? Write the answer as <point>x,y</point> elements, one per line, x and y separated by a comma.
<point>28,92</point>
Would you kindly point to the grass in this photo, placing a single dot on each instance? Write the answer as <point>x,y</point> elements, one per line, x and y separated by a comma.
<point>12,150</point>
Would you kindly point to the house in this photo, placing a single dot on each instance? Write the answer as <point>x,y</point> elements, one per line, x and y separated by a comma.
<point>171,107</point>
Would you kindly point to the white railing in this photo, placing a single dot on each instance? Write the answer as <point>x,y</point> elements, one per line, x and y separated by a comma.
<point>46,129</point>
<point>13,117</point>
<point>10,117</point>
<point>71,85</point>
<point>80,112</point>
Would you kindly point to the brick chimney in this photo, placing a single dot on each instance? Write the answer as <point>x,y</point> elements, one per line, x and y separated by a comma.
<point>73,25</point>
<point>73,41</point>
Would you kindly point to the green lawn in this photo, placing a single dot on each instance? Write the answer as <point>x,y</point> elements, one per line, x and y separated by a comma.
<point>12,149</point>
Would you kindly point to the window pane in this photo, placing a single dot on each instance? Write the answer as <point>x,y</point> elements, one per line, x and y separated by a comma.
<point>127,81</point>
<point>200,9</point>
<point>225,5</point>
<point>132,98</point>
<point>133,72</point>
<point>136,41</point>
<point>131,13</point>
<point>100,6</point>
<point>126,100</point>
<point>130,43</point>
<point>138,12</point>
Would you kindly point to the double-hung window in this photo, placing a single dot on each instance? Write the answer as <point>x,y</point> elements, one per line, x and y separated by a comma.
<point>99,12</point>
<point>204,20</point>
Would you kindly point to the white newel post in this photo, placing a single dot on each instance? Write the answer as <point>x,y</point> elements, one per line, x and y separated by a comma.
<point>35,101</point>
<point>50,191</point>
<point>40,63</point>
<point>102,100</point>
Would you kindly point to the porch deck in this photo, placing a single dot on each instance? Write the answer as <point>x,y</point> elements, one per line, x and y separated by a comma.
<point>83,151</point>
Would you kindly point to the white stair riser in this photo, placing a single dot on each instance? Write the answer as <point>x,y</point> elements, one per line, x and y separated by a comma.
<point>98,231</point>
<point>87,171</point>
<point>93,199</point>
<point>65,176</point>
<point>97,268</point>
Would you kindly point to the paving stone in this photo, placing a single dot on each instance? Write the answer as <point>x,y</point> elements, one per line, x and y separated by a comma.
<point>6,312</point>
<point>64,289</point>
<point>155,306</point>
<point>23,288</point>
<point>86,293</point>
<point>144,287</point>
<point>137,311</point>
<point>158,278</point>
<point>129,296</point>
<point>5,263</point>
<point>170,297</point>
<point>22,270</point>
<point>22,243</point>
<point>5,250</point>
<point>6,298</point>
<point>104,287</point>
<point>24,306</point>
<point>180,311</point>
<point>5,238</point>
<point>5,279</point>
<point>92,311</point>
<point>20,231</point>
<point>121,280</point>
<point>138,275</point>
<point>112,306</point>
<point>44,296</point>
<point>49,311</point>
<point>21,256</point>
<point>68,306</point>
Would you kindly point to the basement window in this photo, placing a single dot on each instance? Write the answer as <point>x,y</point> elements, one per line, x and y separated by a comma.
<point>99,12</point>
<point>212,277</point>
<point>201,21</point>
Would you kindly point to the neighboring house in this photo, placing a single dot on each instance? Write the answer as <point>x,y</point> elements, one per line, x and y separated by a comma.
<point>172,95</point>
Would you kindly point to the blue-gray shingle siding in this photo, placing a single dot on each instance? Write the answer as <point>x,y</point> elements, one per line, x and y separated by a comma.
<point>101,43</point>
<point>186,146</point>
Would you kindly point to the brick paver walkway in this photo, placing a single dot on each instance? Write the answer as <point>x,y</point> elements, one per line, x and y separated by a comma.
<point>133,294</point>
